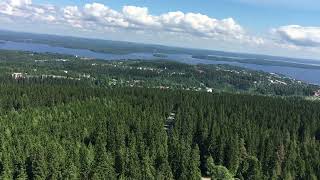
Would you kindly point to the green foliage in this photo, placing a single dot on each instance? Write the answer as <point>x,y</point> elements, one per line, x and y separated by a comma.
<point>218,172</point>
<point>150,74</point>
<point>62,129</point>
<point>104,167</point>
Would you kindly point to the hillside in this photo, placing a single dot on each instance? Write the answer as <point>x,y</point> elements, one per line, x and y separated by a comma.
<point>62,129</point>
<point>151,74</point>
<point>63,117</point>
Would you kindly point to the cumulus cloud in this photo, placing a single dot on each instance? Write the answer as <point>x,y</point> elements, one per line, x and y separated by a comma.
<point>201,25</point>
<point>96,16</point>
<point>25,9</point>
<point>19,3</point>
<point>138,18</point>
<point>173,28</point>
<point>299,35</point>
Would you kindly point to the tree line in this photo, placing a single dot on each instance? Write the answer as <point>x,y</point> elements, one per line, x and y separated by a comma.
<point>61,129</point>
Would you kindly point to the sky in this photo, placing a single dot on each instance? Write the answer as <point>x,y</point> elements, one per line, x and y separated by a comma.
<point>274,27</point>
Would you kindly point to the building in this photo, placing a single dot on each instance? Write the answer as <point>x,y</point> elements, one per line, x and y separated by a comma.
<point>18,75</point>
<point>209,90</point>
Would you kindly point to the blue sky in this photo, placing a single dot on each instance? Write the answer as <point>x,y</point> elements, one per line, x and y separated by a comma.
<point>276,27</point>
<point>257,16</point>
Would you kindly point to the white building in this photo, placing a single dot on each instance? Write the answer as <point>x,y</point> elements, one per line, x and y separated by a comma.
<point>17,75</point>
<point>209,90</point>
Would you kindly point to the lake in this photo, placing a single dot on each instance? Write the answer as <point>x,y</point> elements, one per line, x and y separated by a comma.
<point>307,75</point>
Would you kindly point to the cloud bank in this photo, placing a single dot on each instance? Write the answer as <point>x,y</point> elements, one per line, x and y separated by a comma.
<point>139,18</point>
<point>97,17</point>
<point>30,12</point>
<point>299,35</point>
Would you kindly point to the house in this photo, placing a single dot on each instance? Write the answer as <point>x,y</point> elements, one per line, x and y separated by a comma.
<point>86,76</point>
<point>18,75</point>
<point>317,93</point>
<point>209,90</point>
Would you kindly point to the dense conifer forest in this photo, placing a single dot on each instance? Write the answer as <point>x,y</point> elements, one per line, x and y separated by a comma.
<point>76,106</point>
<point>64,117</point>
<point>67,129</point>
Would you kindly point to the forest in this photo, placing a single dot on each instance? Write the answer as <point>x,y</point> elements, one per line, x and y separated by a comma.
<point>75,129</point>
<point>151,74</point>
<point>257,61</point>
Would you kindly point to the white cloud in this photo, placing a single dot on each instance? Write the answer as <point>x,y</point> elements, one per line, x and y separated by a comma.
<point>19,3</point>
<point>171,28</point>
<point>72,16</point>
<point>299,35</point>
<point>96,16</point>
<point>201,25</point>
<point>92,16</point>
<point>14,7</point>
<point>139,17</point>
<point>25,9</point>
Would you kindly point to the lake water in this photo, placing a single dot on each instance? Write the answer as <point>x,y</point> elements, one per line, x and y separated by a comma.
<point>307,75</point>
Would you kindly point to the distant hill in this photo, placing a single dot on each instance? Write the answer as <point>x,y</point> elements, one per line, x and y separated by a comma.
<point>122,47</point>
<point>151,74</point>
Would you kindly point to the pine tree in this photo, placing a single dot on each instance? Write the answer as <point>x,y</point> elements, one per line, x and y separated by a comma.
<point>218,172</point>
<point>254,170</point>
<point>233,155</point>
<point>147,168</point>
<point>71,172</point>
<point>22,175</point>
<point>132,163</point>
<point>104,164</point>
<point>39,166</point>
<point>6,168</point>
<point>86,161</point>
<point>194,164</point>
